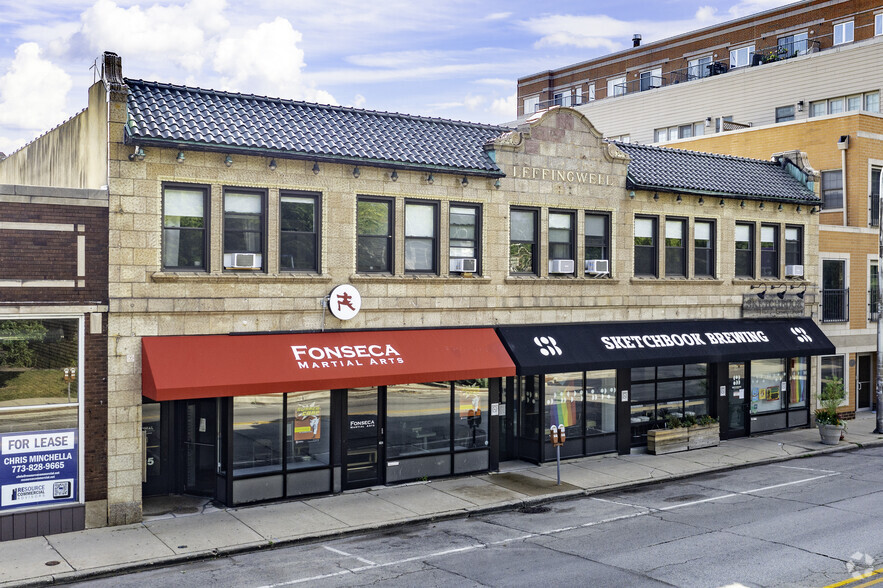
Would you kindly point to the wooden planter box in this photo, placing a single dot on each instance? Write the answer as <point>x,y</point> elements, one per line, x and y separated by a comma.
<point>662,441</point>
<point>707,436</point>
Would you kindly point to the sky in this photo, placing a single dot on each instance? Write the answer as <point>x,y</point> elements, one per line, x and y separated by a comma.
<point>457,59</point>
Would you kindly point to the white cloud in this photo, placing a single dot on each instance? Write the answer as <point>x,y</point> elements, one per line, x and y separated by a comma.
<point>359,101</point>
<point>504,109</point>
<point>267,59</point>
<point>498,16</point>
<point>746,7</point>
<point>33,91</point>
<point>159,34</point>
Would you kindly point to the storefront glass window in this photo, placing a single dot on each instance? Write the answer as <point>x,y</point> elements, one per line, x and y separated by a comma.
<point>767,385</point>
<point>674,391</point>
<point>418,419</point>
<point>831,368</point>
<point>471,414</point>
<point>600,402</point>
<point>308,429</point>
<point>564,402</point>
<point>799,390</point>
<point>257,433</point>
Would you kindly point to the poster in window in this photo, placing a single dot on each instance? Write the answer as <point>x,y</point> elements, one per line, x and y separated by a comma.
<point>307,422</point>
<point>38,468</point>
<point>470,404</point>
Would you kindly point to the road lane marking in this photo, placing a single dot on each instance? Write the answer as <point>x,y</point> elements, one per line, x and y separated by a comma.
<point>644,510</point>
<point>864,576</point>
<point>344,553</point>
<point>807,469</point>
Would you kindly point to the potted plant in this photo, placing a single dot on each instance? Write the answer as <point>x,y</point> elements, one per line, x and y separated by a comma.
<point>674,437</point>
<point>830,425</point>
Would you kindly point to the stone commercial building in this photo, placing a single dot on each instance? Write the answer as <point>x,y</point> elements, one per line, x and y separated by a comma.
<point>306,299</point>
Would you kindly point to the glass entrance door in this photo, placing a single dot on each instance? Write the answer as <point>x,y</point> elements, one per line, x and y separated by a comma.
<point>737,401</point>
<point>363,445</point>
<point>864,387</point>
<point>199,435</point>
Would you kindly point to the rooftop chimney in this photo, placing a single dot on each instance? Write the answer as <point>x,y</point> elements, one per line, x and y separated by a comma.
<point>636,40</point>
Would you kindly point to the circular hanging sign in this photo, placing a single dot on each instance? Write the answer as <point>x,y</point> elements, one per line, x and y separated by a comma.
<point>345,302</point>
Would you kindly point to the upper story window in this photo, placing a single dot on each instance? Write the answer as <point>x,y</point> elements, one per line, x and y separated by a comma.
<point>464,235</point>
<point>769,251</point>
<point>523,245</point>
<point>651,79</point>
<point>784,113</point>
<point>645,246</point>
<point>675,247</point>
<point>185,237</point>
<point>699,67</point>
<point>793,45</point>
<point>616,86</point>
<point>874,204</point>
<point>597,240</point>
<point>741,57</point>
<point>421,237</point>
<point>299,232</point>
<point>835,105</point>
<point>872,101</point>
<point>878,24</point>
<point>591,92</point>
<point>832,189</point>
<point>843,32</point>
<point>703,248</point>
<point>531,104</point>
<point>374,234</point>
<point>244,241</point>
<point>793,246</point>
<point>561,235</point>
<point>744,250</point>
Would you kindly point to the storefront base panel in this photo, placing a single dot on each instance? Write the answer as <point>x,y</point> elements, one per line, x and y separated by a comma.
<point>257,489</point>
<point>798,418</point>
<point>42,522</point>
<point>768,422</point>
<point>471,461</point>
<point>431,466</point>
<point>309,482</point>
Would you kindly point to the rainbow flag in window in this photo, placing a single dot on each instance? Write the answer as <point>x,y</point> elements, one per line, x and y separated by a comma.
<point>563,414</point>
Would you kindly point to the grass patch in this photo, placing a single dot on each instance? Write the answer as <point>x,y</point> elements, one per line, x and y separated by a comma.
<point>34,383</point>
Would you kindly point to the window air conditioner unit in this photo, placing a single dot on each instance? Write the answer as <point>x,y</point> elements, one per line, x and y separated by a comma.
<point>242,260</point>
<point>560,266</point>
<point>793,271</point>
<point>597,267</point>
<point>465,265</point>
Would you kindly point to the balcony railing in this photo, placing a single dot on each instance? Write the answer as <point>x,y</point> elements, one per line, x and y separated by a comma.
<point>873,314</point>
<point>777,52</point>
<point>835,305</point>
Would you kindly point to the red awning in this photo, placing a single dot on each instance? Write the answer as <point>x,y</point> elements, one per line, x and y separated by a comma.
<point>207,366</point>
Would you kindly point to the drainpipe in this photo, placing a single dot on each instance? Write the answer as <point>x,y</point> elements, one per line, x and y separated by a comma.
<point>843,145</point>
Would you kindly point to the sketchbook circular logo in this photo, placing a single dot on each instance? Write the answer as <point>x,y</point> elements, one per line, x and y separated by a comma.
<point>548,346</point>
<point>801,335</point>
<point>860,565</point>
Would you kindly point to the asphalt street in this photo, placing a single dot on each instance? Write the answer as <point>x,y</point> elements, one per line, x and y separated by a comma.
<point>806,522</point>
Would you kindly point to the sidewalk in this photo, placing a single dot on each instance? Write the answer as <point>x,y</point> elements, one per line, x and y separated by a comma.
<point>177,538</point>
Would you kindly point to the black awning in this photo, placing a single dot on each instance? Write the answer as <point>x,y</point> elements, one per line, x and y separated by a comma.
<point>545,349</point>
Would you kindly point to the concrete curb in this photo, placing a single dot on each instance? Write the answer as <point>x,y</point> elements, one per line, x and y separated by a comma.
<point>203,555</point>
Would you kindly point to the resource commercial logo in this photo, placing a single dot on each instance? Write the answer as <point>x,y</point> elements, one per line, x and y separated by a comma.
<point>548,346</point>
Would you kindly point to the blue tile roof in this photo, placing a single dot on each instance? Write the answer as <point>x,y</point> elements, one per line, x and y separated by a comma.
<point>182,116</point>
<point>677,170</point>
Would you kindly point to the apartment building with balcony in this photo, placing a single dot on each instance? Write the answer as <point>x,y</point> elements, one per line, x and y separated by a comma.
<point>803,77</point>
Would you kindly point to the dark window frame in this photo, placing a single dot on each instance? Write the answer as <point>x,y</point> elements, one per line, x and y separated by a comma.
<point>476,241</point>
<point>828,191</point>
<point>680,272</point>
<point>711,250</point>
<point>206,228</point>
<point>571,242</point>
<point>534,243</point>
<point>652,248</point>
<point>605,245</point>
<point>785,113</point>
<point>752,269</point>
<point>775,252</point>
<point>316,233</point>
<point>262,231</point>
<point>792,257</point>
<point>389,238</point>
<point>434,240</point>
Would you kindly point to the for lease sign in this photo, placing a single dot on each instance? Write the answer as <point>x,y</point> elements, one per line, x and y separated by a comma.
<point>38,468</point>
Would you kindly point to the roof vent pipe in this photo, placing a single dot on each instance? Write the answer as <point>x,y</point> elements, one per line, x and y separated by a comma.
<point>636,40</point>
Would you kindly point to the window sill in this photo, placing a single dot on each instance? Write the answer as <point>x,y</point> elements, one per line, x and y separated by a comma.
<point>689,281</point>
<point>769,281</point>
<point>568,279</point>
<point>421,278</point>
<point>237,278</point>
